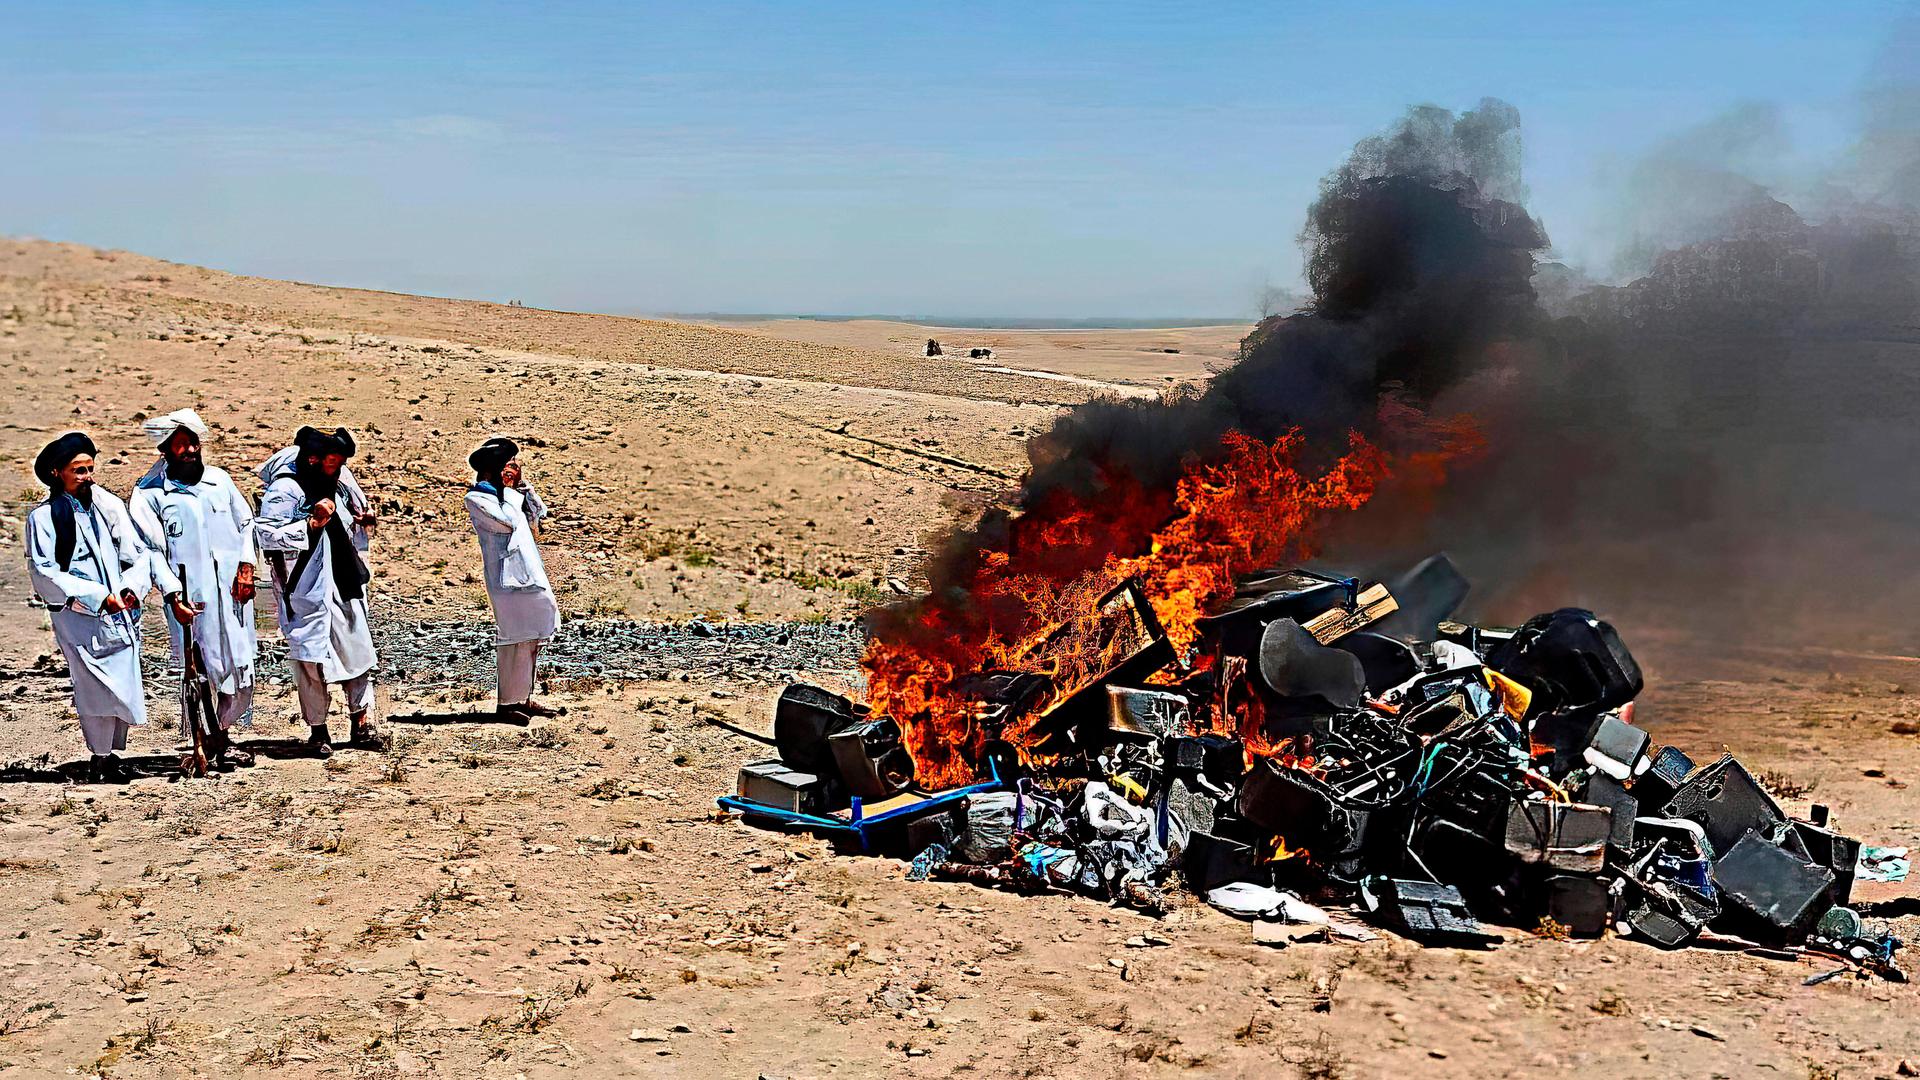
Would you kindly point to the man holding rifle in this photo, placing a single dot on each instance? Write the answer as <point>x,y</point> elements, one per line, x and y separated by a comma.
<point>194,521</point>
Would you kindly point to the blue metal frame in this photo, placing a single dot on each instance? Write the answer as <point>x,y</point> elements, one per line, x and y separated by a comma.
<point>857,822</point>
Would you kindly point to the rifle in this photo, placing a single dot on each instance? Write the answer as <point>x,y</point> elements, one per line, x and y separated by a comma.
<point>196,699</point>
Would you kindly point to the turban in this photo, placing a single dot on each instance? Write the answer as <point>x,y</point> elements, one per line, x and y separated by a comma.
<point>161,428</point>
<point>493,453</point>
<point>314,441</point>
<point>58,452</point>
<point>47,467</point>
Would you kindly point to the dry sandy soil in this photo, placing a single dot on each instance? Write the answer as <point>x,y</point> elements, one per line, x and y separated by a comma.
<point>1139,361</point>
<point>559,900</point>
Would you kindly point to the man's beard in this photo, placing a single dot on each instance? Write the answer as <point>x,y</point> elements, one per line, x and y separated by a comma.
<point>84,493</point>
<point>185,471</point>
<point>314,481</point>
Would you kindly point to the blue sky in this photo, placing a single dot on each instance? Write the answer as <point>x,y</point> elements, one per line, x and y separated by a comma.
<point>1018,159</point>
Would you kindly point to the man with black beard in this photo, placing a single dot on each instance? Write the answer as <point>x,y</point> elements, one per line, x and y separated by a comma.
<point>322,584</point>
<point>194,521</point>
<point>89,569</point>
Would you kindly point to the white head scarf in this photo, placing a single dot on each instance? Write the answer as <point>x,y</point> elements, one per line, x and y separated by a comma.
<point>161,428</point>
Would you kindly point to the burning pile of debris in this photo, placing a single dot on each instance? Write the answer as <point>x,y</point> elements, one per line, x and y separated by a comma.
<point>1328,739</point>
<point>1115,677</point>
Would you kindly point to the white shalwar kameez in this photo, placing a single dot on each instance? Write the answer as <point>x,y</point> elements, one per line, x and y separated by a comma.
<point>353,500</point>
<point>525,614</point>
<point>328,636</point>
<point>207,529</point>
<point>102,649</point>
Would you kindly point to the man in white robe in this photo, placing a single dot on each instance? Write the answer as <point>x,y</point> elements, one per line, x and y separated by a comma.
<point>193,520</point>
<point>359,509</point>
<point>525,615</point>
<point>89,569</point>
<point>321,582</point>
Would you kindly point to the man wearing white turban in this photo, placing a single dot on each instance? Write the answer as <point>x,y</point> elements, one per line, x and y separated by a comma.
<point>195,522</point>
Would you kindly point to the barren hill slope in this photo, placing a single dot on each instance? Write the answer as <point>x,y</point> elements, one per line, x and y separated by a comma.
<point>486,900</point>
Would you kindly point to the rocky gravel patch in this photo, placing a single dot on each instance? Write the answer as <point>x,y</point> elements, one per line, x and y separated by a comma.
<point>439,654</point>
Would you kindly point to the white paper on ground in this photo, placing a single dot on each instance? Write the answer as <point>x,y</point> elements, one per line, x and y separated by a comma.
<point>1883,864</point>
<point>1245,900</point>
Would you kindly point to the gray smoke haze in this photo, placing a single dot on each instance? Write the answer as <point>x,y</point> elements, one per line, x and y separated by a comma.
<point>1884,167</point>
<point>1730,442</point>
<point>1694,182</point>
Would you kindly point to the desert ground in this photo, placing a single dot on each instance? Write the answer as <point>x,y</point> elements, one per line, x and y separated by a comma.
<point>1128,361</point>
<point>485,900</point>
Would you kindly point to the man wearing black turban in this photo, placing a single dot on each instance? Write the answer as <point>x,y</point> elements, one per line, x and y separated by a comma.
<point>321,581</point>
<point>525,615</point>
<point>88,568</point>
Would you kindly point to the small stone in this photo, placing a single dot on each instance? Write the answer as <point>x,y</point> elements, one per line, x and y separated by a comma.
<point>647,1035</point>
<point>1706,1032</point>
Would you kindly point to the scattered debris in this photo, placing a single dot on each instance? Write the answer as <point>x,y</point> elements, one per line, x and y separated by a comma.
<point>1884,864</point>
<point>1324,742</point>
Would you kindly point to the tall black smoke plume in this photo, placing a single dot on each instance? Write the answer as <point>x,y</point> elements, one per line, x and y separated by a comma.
<point>1419,260</point>
<point>1733,436</point>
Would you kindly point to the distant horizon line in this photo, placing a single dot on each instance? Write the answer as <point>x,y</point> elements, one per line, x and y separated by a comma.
<point>941,322</point>
<point>958,322</point>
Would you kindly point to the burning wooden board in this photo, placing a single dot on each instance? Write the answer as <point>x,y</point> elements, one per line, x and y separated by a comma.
<point>1373,604</point>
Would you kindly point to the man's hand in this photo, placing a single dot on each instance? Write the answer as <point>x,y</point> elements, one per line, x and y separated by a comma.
<point>322,513</point>
<point>183,611</point>
<point>367,521</point>
<point>129,599</point>
<point>112,605</point>
<point>243,589</point>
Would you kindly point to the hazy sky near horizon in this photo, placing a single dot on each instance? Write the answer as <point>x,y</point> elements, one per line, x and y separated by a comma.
<point>1010,159</point>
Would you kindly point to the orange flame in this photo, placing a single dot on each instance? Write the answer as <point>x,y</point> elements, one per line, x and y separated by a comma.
<point>1028,602</point>
<point>1274,849</point>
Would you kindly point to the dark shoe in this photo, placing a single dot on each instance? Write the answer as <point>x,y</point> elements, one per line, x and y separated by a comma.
<point>107,769</point>
<point>366,736</point>
<point>514,714</point>
<point>321,742</point>
<point>218,747</point>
